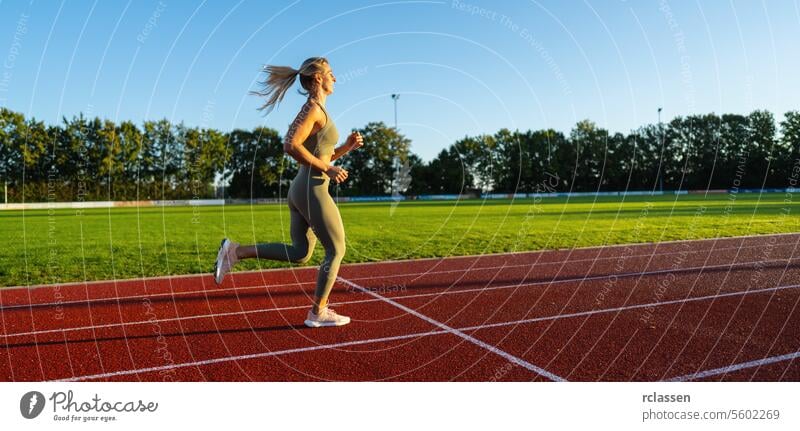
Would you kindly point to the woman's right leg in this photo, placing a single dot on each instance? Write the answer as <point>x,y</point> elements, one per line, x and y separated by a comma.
<point>327,222</point>
<point>309,194</point>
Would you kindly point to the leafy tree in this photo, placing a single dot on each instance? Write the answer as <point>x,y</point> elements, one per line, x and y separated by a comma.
<point>590,144</point>
<point>734,152</point>
<point>760,169</point>
<point>160,160</point>
<point>131,142</point>
<point>373,167</point>
<point>421,176</point>
<point>258,168</point>
<point>93,159</point>
<point>478,156</point>
<point>788,174</point>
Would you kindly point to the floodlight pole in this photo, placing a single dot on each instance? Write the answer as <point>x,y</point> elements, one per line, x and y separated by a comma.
<point>396,162</point>
<point>395,97</point>
<point>660,173</point>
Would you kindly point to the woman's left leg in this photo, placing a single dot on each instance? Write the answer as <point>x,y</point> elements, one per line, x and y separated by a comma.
<point>299,251</point>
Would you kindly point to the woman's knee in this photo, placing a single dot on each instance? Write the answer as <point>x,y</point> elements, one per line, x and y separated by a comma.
<point>303,256</point>
<point>304,259</point>
<point>335,250</point>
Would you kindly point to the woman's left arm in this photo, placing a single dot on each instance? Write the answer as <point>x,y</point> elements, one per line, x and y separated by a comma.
<point>355,140</point>
<point>342,150</point>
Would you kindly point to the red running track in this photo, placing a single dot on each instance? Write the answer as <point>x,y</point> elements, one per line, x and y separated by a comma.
<point>726,309</point>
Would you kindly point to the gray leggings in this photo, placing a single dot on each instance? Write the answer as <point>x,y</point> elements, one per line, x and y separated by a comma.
<point>311,207</point>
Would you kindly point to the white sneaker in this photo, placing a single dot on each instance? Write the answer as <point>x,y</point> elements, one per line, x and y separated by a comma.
<point>326,317</point>
<point>226,258</point>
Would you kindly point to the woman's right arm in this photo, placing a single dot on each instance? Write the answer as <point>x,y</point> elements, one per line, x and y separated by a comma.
<point>299,131</point>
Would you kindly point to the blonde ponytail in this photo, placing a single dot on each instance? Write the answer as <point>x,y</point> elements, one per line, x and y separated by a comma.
<point>280,78</point>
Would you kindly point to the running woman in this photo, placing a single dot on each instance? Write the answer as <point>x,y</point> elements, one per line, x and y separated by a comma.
<point>311,140</point>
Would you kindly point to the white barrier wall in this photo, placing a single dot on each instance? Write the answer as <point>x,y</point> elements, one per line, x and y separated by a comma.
<point>211,202</point>
<point>110,204</point>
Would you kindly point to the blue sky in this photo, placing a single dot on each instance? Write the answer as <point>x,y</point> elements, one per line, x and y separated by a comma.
<point>461,68</point>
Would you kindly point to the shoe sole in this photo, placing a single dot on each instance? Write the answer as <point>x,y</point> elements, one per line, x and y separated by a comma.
<point>218,262</point>
<point>313,324</point>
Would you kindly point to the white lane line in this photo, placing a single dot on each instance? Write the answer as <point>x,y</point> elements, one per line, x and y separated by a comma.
<point>399,337</point>
<point>736,367</point>
<point>420,295</point>
<point>562,280</point>
<point>630,307</point>
<point>245,357</point>
<point>509,357</point>
<point>153,321</point>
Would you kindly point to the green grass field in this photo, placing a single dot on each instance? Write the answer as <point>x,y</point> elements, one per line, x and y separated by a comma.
<point>60,245</point>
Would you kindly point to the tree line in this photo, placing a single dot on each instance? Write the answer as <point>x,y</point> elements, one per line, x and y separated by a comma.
<point>85,159</point>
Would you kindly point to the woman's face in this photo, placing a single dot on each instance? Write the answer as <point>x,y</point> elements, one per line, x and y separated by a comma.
<point>326,79</point>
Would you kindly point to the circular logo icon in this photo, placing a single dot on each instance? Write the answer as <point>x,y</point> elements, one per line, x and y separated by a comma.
<point>31,404</point>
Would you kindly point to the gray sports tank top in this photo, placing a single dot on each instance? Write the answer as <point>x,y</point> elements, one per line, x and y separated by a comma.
<point>323,142</point>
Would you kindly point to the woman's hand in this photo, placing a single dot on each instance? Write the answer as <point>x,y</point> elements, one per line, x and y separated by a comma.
<point>355,140</point>
<point>337,174</point>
